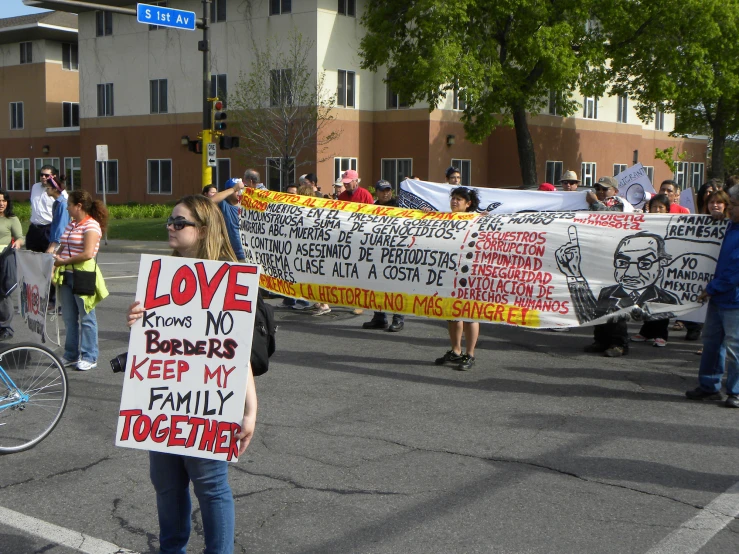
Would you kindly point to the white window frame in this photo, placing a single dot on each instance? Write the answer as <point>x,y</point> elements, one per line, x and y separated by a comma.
<point>25,169</point>
<point>72,51</point>
<point>393,98</point>
<point>343,164</point>
<point>459,101</point>
<point>659,120</point>
<point>38,163</point>
<point>650,173</point>
<point>465,170</point>
<point>397,176</point>
<point>682,174</point>
<point>99,185</point>
<point>108,91</point>
<point>149,184</point>
<point>14,116</point>
<point>72,165</point>
<point>622,114</point>
<point>552,105</point>
<point>26,49</point>
<point>618,168</point>
<point>158,108</point>
<point>278,168</point>
<point>697,174</point>
<point>70,106</point>
<point>589,173</point>
<point>283,97</point>
<point>553,172</point>
<point>277,7</point>
<point>344,77</point>
<point>590,107</point>
<point>347,8</point>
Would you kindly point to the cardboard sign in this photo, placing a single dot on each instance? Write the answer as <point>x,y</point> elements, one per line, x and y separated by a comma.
<point>687,199</point>
<point>634,185</point>
<point>34,280</point>
<point>187,368</point>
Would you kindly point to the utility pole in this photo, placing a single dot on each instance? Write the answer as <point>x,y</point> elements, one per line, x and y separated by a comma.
<point>204,47</point>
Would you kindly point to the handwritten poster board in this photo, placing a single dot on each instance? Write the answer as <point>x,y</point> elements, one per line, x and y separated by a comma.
<point>634,185</point>
<point>34,279</point>
<point>543,269</point>
<point>186,373</point>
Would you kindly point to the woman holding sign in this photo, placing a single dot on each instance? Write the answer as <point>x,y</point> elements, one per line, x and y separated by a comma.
<point>462,199</point>
<point>197,230</point>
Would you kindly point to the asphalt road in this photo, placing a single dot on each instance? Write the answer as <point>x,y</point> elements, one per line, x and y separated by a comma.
<point>364,445</point>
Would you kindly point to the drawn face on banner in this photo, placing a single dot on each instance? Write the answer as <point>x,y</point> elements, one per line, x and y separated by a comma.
<point>637,263</point>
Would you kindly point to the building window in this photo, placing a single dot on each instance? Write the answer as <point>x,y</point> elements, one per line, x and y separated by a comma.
<point>465,171</point>
<point>16,115</point>
<point>347,7</point>
<point>345,89</point>
<point>280,90</point>
<point>343,164</point>
<point>554,172</point>
<point>70,57</point>
<point>18,175</point>
<point>277,7</point>
<point>41,162</point>
<point>158,96</point>
<point>618,168</point>
<point>696,174</point>
<point>222,172</point>
<point>111,177</point>
<point>103,24</point>
<point>623,106</point>
<point>275,179</point>
<point>217,11</point>
<point>682,174</point>
<point>554,97</point>
<point>160,176</point>
<point>587,170</point>
<point>659,120</point>
<point>393,101</point>
<point>105,100</point>
<point>163,3</point>
<point>71,114</point>
<point>458,99</point>
<point>590,108</point>
<point>73,172</point>
<point>650,172</point>
<point>26,52</point>
<point>396,170</point>
<point>219,87</point>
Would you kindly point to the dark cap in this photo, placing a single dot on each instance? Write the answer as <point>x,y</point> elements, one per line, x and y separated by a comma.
<point>608,182</point>
<point>382,184</point>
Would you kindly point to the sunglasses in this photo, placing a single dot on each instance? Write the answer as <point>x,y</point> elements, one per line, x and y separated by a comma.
<point>47,175</point>
<point>179,223</point>
<point>598,187</point>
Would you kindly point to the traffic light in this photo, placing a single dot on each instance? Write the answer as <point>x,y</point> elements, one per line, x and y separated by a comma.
<point>219,116</point>
<point>195,146</point>
<point>229,142</point>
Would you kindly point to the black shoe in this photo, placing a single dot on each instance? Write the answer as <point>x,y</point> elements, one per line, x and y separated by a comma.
<point>732,401</point>
<point>702,394</point>
<point>374,324</point>
<point>466,363</point>
<point>693,334</point>
<point>615,351</point>
<point>5,334</point>
<point>395,326</point>
<point>595,347</point>
<point>449,356</point>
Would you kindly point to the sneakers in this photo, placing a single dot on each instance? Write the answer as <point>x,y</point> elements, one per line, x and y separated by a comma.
<point>660,343</point>
<point>375,324</point>
<point>395,326</point>
<point>595,347</point>
<point>615,352</point>
<point>449,356</point>
<point>69,363</point>
<point>732,401</point>
<point>322,311</point>
<point>298,306</point>
<point>702,394</point>
<point>84,365</point>
<point>639,338</point>
<point>466,363</point>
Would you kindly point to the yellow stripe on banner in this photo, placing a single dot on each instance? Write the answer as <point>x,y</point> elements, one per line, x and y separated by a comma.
<point>435,307</point>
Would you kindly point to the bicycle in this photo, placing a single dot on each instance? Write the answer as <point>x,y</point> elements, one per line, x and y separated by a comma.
<point>33,395</point>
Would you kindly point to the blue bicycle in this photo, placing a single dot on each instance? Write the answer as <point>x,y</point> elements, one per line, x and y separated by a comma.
<point>33,395</point>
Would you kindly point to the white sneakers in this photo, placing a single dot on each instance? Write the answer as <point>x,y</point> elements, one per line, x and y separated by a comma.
<point>83,365</point>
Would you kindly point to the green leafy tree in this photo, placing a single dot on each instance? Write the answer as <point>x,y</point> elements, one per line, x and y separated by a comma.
<point>680,56</point>
<point>504,55</point>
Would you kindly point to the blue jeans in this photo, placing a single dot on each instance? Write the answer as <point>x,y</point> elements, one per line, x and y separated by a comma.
<point>79,345</point>
<point>171,475</point>
<point>720,345</point>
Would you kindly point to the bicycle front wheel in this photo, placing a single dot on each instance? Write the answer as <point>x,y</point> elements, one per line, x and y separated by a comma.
<point>33,395</point>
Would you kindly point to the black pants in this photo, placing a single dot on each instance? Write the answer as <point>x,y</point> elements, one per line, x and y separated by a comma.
<point>37,240</point>
<point>613,333</point>
<point>655,329</point>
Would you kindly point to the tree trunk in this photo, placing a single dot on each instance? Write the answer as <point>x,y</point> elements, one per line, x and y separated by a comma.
<point>526,154</point>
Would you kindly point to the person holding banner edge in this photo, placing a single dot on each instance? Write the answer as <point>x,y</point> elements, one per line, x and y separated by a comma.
<point>11,234</point>
<point>197,230</point>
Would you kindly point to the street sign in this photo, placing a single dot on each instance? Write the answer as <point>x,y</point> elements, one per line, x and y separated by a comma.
<point>165,17</point>
<point>101,153</point>
<point>212,154</point>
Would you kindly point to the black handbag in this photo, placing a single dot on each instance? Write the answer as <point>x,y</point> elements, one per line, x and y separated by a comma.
<point>83,282</point>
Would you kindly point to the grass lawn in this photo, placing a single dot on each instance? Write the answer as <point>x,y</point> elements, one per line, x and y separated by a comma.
<point>131,229</point>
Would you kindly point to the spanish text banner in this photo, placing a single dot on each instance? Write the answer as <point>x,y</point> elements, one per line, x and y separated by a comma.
<point>545,269</point>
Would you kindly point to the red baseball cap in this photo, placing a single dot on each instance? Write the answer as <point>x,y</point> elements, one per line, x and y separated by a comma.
<point>349,175</point>
<point>549,187</point>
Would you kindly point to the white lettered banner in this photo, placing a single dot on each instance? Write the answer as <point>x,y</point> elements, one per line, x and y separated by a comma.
<point>543,269</point>
<point>187,367</point>
<point>34,279</point>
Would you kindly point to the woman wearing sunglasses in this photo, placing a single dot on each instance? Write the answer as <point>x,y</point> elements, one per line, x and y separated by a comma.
<point>197,230</point>
<point>78,247</point>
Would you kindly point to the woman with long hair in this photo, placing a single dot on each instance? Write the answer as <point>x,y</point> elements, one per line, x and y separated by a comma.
<point>11,234</point>
<point>79,245</point>
<point>462,199</point>
<point>197,230</point>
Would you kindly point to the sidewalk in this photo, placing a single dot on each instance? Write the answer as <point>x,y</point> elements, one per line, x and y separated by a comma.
<point>136,247</point>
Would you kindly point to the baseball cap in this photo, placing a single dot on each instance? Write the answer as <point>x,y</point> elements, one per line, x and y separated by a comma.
<point>548,187</point>
<point>608,182</point>
<point>349,175</point>
<point>382,184</point>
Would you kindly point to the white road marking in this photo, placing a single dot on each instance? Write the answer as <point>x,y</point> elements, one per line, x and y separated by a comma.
<point>121,277</point>
<point>114,263</point>
<point>695,533</point>
<point>59,535</point>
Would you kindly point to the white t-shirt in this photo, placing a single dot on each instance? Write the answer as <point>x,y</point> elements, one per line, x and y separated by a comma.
<point>41,204</point>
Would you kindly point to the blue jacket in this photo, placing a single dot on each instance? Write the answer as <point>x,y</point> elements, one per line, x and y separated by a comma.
<point>724,287</point>
<point>60,219</point>
<point>231,215</point>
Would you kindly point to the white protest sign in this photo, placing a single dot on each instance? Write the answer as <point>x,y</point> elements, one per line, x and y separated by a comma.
<point>34,279</point>
<point>186,373</point>
<point>634,184</point>
<point>687,199</point>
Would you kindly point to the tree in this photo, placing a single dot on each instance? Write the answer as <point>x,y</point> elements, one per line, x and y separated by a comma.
<point>680,56</point>
<point>281,108</point>
<point>505,56</point>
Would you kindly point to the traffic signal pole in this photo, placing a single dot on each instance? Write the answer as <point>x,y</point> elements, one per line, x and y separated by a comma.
<point>205,47</point>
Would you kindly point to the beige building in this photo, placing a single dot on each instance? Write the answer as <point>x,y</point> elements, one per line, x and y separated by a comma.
<point>39,99</point>
<point>140,92</point>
